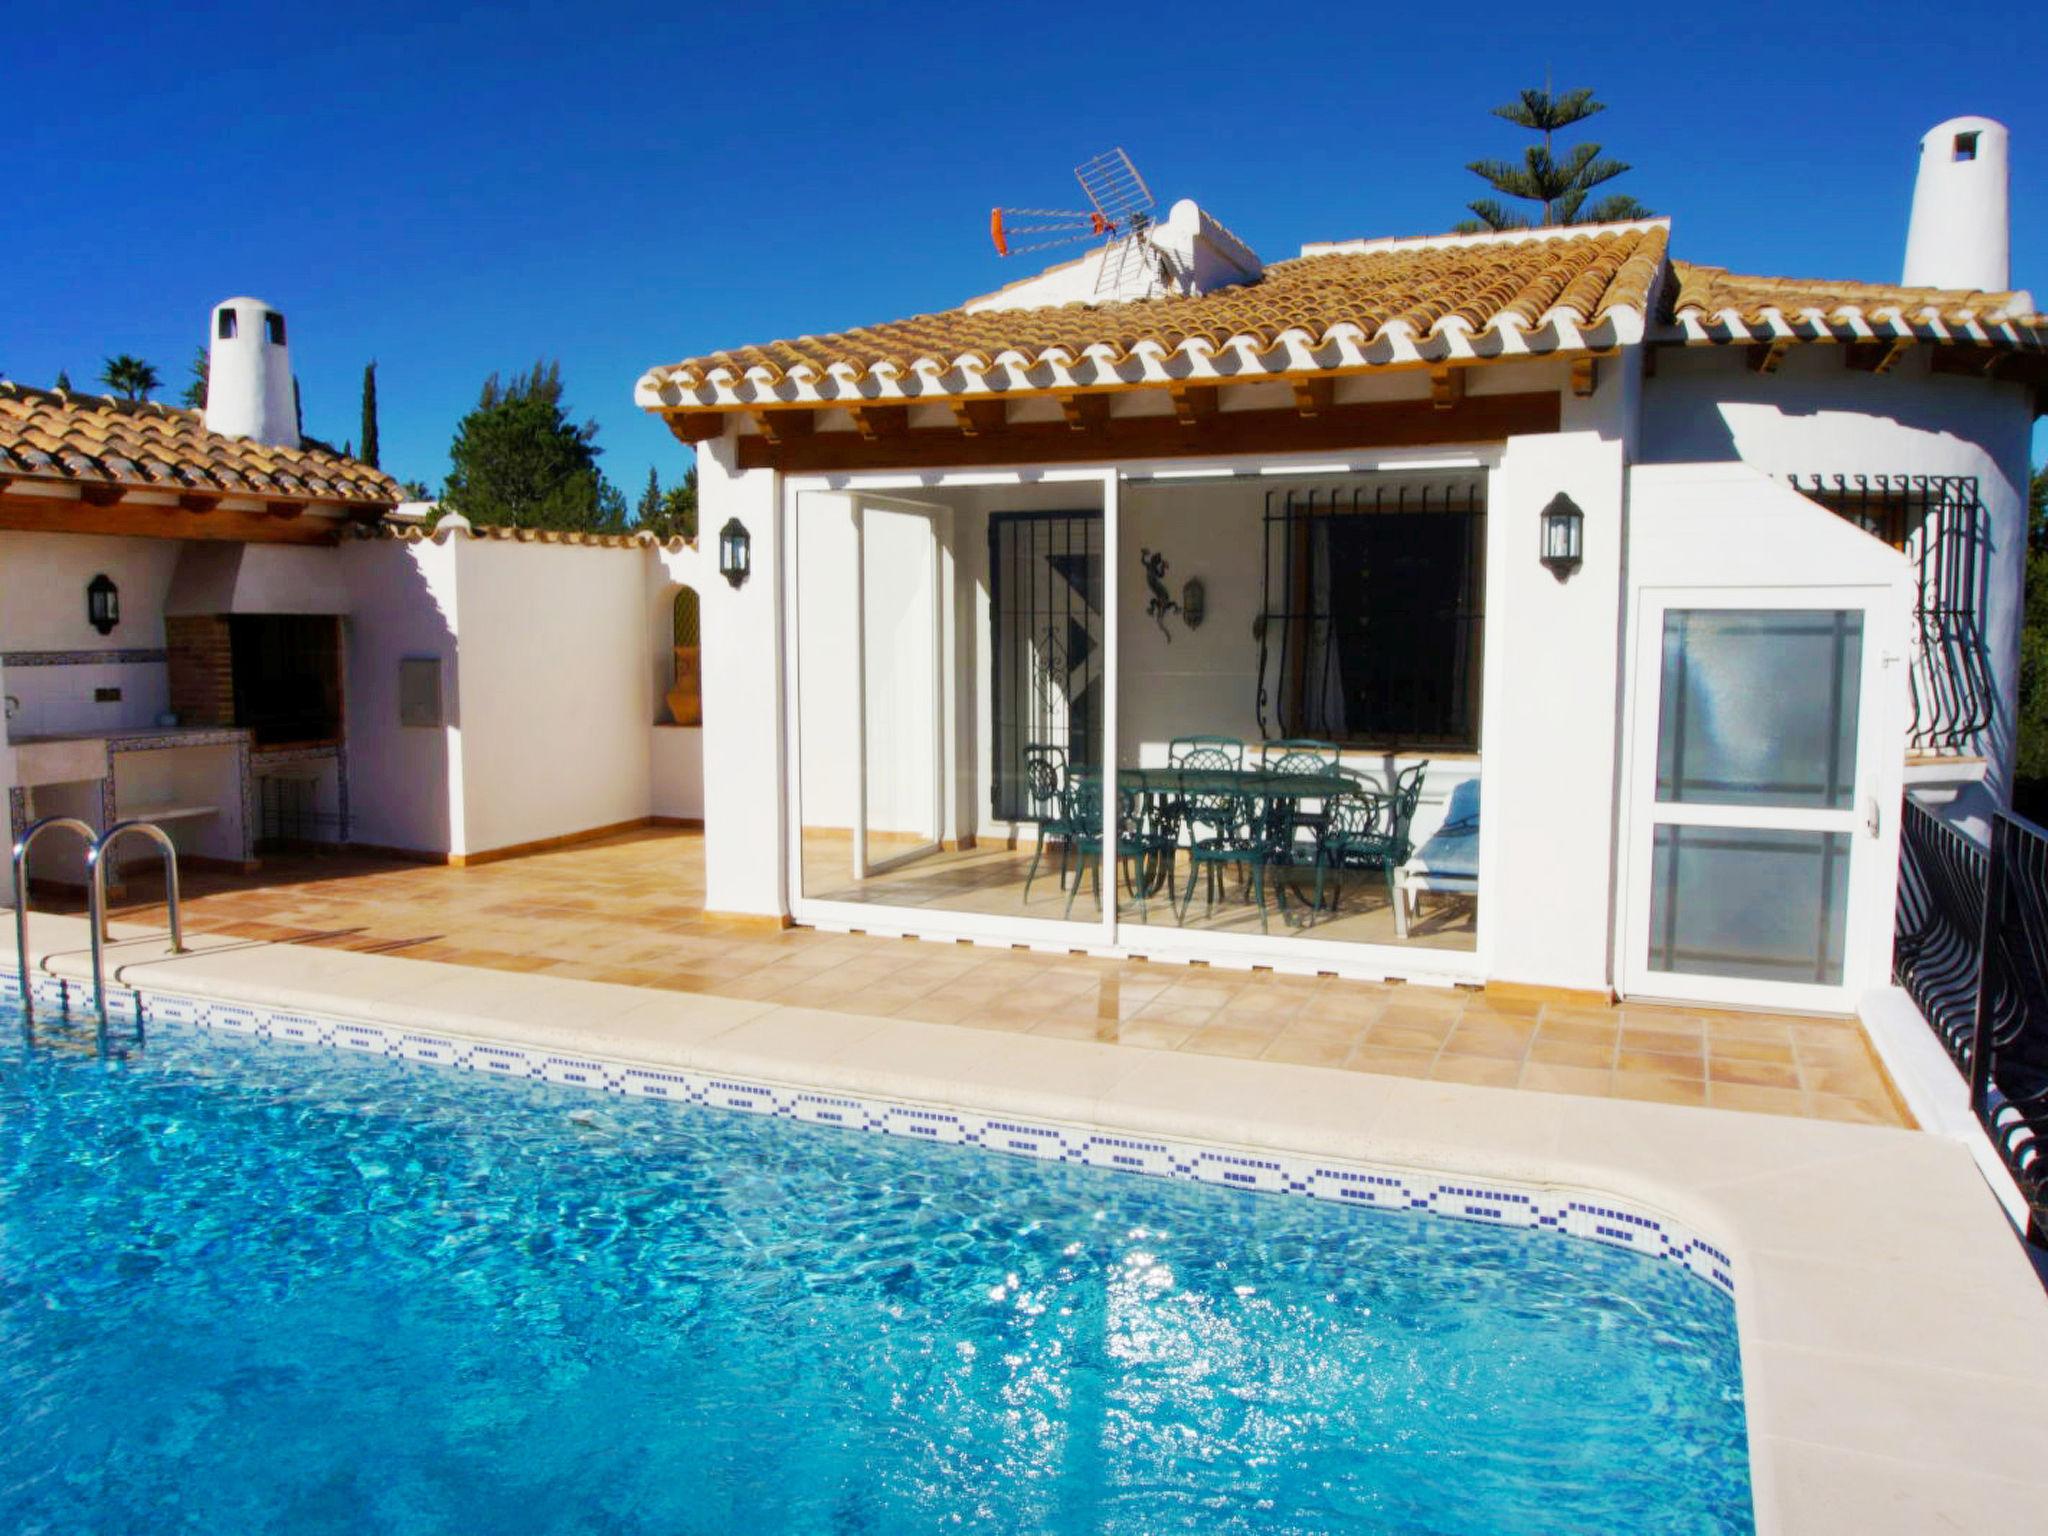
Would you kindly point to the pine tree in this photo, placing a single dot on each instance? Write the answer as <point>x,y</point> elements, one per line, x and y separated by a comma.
<point>650,500</point>
<point>369,454</point>
<point>1560,185</point>
<point>517,460</point>
<point>194,397</point>
<point>63,380</point>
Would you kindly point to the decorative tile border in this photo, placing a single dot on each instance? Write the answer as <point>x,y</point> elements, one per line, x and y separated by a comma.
<point>1597,1219</point>
<point>106,658</point>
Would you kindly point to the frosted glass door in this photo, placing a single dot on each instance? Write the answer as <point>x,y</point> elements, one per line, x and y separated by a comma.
<point>1752,800</point>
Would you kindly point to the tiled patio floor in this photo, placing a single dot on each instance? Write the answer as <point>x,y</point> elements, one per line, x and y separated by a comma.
<point>629,909</point>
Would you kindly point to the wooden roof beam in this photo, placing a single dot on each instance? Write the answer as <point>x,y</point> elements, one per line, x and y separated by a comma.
<point>1446,387</point>
<point>1876,356</point>
<point>1085,413</point>
<point>1764,356</point>
<point>875,422</point>
<point>980,417</point>
<point>1585,376</point>
<point>694,427</point>
<point>781,426</point>
<point>1313,396</point>
<point>1194,404</point>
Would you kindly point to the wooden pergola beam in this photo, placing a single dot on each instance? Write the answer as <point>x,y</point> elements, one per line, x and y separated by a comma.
<point>1377,424</point>
<point>24,511</point>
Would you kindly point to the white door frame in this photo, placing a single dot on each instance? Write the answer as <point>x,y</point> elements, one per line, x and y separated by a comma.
<point>863,866</point>
<point>1868,820</point>
<point>1097,936</point>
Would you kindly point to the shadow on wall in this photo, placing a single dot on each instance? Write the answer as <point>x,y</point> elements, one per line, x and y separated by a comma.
<point>401,689</point>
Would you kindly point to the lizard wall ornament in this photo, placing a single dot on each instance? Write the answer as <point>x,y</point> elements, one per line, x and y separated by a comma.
<point>1161,602</point>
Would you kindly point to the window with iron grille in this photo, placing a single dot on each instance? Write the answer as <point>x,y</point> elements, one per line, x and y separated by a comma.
<point>1372,626</point>
<point>1937,522</point>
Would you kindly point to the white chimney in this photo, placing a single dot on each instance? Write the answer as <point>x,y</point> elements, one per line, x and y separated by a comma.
<point>1958,237</point>
<point>249,375</point>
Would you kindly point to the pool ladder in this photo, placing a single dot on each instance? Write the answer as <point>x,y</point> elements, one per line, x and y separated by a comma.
<point>96,846</point>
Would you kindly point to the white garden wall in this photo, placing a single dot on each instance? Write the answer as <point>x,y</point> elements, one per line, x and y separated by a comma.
<point>44,614</point>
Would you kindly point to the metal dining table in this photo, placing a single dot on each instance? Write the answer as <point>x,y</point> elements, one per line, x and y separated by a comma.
<point>1156,785</point>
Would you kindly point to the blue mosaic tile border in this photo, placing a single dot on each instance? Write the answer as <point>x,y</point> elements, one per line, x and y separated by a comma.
<point>1595,1219</point>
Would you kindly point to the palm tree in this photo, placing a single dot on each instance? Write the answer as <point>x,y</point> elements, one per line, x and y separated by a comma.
<point>130,377</point>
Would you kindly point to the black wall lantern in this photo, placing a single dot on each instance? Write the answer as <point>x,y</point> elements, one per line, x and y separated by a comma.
<point>1564,534</point>
<point>102,603</point>
<point>735,552</point>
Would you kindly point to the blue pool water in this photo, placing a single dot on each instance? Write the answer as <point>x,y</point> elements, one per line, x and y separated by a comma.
<point>249,1287</point>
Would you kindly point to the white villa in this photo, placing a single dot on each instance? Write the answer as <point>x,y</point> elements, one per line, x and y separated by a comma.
<point>1684,576</point>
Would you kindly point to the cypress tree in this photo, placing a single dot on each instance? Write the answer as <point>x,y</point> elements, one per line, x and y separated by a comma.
<point>369,453</point>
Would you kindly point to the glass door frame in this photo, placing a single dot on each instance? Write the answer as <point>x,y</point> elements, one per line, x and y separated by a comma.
<point>860,502</point>
<point>1869,819</point>
<point>1094,936</point>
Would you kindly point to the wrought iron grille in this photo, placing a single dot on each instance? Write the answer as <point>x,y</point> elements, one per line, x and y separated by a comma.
<point>1972,950</point>
<point>1373,620</point>
<point>1939,523</point>
<point>1046,644</point>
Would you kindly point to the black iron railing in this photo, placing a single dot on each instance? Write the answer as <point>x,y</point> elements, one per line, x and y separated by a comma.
<point>1372,620</point>
<point>1972,951</point>
<point>1938,522</point>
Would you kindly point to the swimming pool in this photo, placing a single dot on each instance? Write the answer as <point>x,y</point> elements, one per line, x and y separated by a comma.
<point>250,1285</point>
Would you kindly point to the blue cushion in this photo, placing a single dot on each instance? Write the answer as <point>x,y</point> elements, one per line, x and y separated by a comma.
<point>1454,849</point>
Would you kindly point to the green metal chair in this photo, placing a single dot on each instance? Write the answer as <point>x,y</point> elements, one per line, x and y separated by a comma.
<point>1045,781</point>
<point>1354,831</point>
<point>1142,840</point>
<point>1206,752</point>
<point>1236,836</point>
<point>1298,754</point>
<point>1387,847</point>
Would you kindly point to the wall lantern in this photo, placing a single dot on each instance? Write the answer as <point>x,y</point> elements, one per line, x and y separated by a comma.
<point>102,603</point>
<point>735,552</point>
<point>1564,532</point>
<point>1194,602</point>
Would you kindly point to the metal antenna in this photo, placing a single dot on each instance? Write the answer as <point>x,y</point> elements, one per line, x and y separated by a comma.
<point>1120,207</point>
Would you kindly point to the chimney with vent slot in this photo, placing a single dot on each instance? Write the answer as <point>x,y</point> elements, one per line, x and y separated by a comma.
<point>249,375</point>
<point>1959,237</point>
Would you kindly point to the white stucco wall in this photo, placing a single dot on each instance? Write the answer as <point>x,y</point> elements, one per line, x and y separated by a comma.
<point>744,834</point>
<point>554,708</point>
<point>1814,416</point>
<point>676,772</point>
<point>405,782</point>
<point>42,608</point>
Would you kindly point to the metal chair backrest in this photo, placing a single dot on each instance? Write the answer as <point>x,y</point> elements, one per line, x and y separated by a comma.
<point>1405,795</point>
<point>1298,755</point>
<point>1356,812</point>
<point>1214,753</point>
<point>1045,779</point>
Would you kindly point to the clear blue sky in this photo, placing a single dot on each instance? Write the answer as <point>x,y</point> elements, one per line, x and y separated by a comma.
<point>455,189</point>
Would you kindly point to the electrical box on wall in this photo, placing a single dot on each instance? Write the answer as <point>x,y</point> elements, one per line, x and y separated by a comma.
<point>419,691</point>
<point>106,695</point>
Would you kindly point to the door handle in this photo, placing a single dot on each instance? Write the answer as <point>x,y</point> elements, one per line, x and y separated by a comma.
<point>1873,816</point>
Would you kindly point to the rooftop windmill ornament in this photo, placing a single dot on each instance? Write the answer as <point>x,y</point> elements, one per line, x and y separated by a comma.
<point>1119,212</point>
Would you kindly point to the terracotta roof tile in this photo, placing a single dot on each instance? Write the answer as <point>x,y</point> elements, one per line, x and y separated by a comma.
<point>1366,293</point>
<point>1710,293</point>
<point>60,435</point>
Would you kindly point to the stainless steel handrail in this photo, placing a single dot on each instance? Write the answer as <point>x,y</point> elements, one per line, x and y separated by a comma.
<point>96,865</point>
<point>29,834</point>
